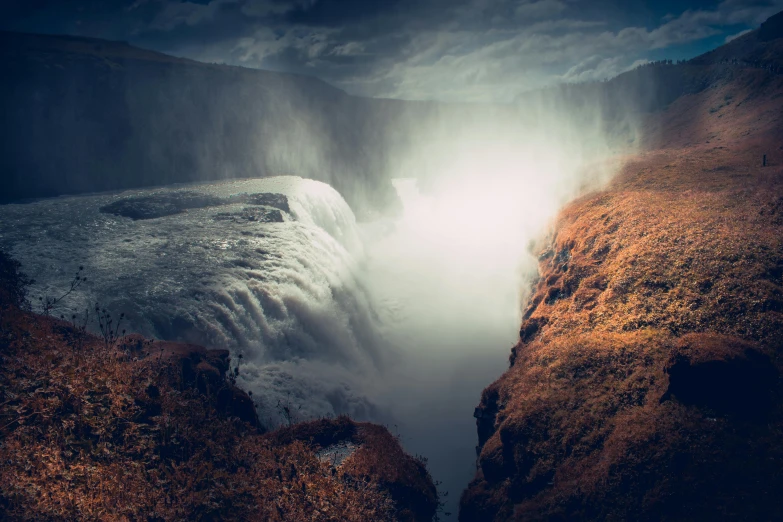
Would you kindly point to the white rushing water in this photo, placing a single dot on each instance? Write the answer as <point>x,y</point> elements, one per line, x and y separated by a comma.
<point>284,294</point>
<point>378,320</point>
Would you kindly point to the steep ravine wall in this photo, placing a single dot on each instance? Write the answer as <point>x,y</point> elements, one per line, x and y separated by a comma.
<point>646,383</point>
<point>97,428</point>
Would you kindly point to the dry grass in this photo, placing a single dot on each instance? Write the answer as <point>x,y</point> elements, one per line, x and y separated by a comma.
<point>646,383</point>
<point>145,432</point>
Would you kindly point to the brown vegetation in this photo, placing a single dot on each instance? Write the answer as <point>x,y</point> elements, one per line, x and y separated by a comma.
<point>646,384</point>
<point>145,430</point>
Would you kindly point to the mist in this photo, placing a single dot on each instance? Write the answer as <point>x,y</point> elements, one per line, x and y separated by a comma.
<point>401,317</point>
<point>352,199</point>
<point>450,274</point>
<point>393,294</point>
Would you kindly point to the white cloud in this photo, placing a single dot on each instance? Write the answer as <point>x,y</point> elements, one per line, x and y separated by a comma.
<point>594,68</point>
<point>311,44</point>
<point>510,63</point>
<point>735,36</point>
<point>474,50</point>
<point>348,49</point>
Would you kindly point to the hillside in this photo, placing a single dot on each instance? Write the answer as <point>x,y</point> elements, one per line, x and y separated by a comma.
<point>86,115</point>
<point>646,383</point>
<point>123,428</point>
<point>653,87</point>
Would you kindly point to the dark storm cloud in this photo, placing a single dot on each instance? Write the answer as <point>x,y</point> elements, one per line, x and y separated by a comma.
<point>339,12</point>
<point>447,49</point>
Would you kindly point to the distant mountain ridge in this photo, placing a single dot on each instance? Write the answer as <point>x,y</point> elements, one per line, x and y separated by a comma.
<point>654,87</point>
<point>85,115</point>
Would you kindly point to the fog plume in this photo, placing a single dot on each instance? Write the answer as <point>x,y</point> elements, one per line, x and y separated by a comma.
<point>391,289</point>
<point>479,186</point>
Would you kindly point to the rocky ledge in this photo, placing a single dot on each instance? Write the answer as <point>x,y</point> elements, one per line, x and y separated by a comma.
<point>169,203</point>
<point>134,429</point>
<point>646,383</point>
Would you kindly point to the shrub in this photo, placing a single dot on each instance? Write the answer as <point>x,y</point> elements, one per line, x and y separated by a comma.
<point>13,283</point>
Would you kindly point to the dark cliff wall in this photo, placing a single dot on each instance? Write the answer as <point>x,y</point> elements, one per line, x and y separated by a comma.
<point>85,115</point>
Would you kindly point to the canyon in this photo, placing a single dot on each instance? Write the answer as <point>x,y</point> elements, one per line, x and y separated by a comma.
<point>645,383</point>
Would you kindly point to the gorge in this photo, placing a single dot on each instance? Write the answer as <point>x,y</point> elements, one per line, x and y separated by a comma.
<point>375,258</point>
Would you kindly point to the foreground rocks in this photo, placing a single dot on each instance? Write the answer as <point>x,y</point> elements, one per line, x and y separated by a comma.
<point>149,430</point>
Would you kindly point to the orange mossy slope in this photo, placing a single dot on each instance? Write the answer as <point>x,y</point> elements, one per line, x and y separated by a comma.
<point>646,384</point>
<point>156,431</point>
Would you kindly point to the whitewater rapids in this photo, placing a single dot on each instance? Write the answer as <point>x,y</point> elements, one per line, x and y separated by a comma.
<point>393,321</point>
<point>283,294</point>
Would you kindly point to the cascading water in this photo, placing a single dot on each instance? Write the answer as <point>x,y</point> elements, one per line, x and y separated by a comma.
<point>401,321</point>
<point>284,292</point>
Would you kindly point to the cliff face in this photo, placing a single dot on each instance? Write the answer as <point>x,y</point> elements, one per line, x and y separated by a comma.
<point>646,384</point>
<point>139,429</point>
<point>86,115</point>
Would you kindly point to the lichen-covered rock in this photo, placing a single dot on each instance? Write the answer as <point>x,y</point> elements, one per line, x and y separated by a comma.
<point>252,215</point>
<point>375,456</point>
<point>160,205</point>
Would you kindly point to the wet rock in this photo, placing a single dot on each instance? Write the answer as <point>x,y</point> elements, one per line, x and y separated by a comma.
<point>160,205</point>
<point>531,327</point>
<point>236,403</point>
<point>336,453</point>
<point>268,199</point>
<point>170,203</point>
<point>252,215</point>
<point>486,414</point>
<point>205,370</point>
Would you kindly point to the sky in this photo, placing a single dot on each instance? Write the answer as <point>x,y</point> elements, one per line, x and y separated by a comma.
<point>448,50</point>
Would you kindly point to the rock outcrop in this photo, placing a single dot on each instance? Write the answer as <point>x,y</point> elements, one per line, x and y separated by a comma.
<point>98,428</point>
<point>646,384</point>
<point>172,202</point>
